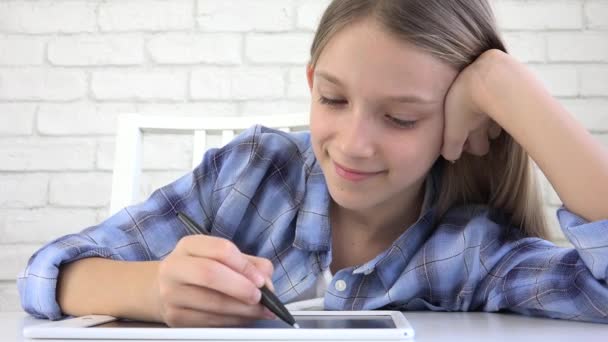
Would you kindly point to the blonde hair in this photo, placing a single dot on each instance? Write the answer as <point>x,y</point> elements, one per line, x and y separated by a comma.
<point>457,32</point>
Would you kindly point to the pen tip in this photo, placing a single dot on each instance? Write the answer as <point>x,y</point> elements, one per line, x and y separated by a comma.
<point>295,325</point>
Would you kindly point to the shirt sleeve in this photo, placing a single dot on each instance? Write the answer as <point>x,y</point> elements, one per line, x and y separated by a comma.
<point>145,231</point>
<point>534,277</point>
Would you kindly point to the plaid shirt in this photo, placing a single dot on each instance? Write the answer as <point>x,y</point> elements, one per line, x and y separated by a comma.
<point>266,193</point>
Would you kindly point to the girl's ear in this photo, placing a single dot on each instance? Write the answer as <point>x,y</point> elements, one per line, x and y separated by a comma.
<point>309,76</point>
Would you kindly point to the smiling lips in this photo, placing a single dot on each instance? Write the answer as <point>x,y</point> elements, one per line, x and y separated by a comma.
<point>353,175</point>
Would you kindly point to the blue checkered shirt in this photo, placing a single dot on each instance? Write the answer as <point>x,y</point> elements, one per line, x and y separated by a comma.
<point>266,193</point>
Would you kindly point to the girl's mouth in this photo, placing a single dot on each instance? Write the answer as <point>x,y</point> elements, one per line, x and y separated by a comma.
<point>352,174</point>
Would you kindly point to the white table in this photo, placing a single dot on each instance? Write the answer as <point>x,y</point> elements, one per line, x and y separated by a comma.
<point>429,326</point>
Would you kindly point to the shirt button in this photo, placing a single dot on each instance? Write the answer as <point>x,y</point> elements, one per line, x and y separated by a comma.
<point>340,285</point>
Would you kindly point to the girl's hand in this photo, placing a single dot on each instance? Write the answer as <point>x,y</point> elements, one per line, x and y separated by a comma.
<point>467,127</point>
<point>207,281</point>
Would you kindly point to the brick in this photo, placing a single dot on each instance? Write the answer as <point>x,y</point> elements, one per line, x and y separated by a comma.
<point>245,15</point>
<point>9,297</point>
<point>297,84</point>
<point>47,16</point>
<point>139,85</point>
<point>80,189</point>
<point>525,46</point>
<point>207,108</point>
<point>594,80</point>
<point>539,15</point>
<point>23,190</point>
<point>16,119</point>
<point>309,14</point>
<point>104,154</point>
<point>596,14</point>
<point>290,48</point>
<point>82,118</point>
<point>38,226</point>
<point>187,48</point>
<point>46,154</point>
<point>149,15</point>
<point>14,259</point>
<point>21,50</point>
<point>560,80</point>
<point>96,50</point>
<point>167,152</point>
<point>251,108</point>
<point>213,83</point>
<point>592,113</point>
<point>42,84</point>
<point>578,47</point>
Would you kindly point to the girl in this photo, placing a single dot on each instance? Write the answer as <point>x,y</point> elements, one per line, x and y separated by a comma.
<point>414,190</point>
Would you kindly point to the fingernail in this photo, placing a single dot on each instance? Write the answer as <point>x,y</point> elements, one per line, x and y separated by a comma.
<point>269,284</point>
<point>268,314</point>
<point>258,280</point>
<point>257,296</point>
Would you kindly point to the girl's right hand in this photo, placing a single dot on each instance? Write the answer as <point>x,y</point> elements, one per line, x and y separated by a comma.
<point>206,281</point>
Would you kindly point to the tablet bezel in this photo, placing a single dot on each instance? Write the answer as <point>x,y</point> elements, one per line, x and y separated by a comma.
<point>83,328</point>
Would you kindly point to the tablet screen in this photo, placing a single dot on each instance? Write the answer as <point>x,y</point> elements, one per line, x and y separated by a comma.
<point>305,322</point>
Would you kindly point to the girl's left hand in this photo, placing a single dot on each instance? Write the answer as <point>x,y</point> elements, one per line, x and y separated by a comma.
<point>467,126</point>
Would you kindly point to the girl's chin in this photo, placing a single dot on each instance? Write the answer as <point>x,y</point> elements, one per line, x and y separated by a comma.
<point>352,201</point>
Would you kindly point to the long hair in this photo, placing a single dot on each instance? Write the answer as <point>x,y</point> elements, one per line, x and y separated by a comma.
<point>456,32</point>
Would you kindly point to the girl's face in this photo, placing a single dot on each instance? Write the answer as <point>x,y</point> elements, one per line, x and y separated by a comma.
<point>376,116</point>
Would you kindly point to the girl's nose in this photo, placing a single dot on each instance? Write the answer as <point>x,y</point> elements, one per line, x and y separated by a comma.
<point>356,137</point>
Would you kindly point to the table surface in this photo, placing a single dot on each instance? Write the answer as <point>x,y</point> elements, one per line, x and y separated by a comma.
<point>429,326</point>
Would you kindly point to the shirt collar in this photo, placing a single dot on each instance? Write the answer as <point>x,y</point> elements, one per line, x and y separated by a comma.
<point>313,230</point>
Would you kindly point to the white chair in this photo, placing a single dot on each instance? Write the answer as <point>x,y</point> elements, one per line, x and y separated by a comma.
<point>129,137</point>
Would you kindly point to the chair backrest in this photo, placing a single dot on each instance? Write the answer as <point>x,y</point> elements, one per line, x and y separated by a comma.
<point>129,140</point>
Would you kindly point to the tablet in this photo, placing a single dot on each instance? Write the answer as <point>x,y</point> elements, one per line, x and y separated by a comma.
<point>314,325</point>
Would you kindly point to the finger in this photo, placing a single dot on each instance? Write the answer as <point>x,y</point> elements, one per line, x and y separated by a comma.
<point>212,274</point>
<point>479,144</point>
<point>494,130</point>
<point>223,251</point>
<point>207,300</point>
<point>455,134</point>
<point>265,266</point>
<point>453,144</point>
<point>184,317</point>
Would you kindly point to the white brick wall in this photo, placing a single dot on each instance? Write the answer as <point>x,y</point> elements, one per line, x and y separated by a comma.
<point>68,67</point>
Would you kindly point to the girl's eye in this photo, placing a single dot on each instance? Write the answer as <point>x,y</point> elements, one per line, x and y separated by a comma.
<point>401,123</point>
<point>331,102</point>
<point>397,122</point>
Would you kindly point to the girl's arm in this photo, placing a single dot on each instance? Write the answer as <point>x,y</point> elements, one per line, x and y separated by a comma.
<point>530,275</point>
<point>574,162</point>
<point>115,288</point>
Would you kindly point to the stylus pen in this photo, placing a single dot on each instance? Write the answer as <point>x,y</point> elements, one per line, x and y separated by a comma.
<point>269,300</point>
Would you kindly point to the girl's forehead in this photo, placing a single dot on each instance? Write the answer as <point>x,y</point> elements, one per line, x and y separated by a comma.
<point>366,55</point>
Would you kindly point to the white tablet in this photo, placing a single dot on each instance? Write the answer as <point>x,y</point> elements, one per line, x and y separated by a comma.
<point>314,325</point>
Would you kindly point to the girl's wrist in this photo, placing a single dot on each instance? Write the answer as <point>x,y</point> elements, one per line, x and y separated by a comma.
<point>501,87</point>
<point>490,82</point>
<point>139,291</point>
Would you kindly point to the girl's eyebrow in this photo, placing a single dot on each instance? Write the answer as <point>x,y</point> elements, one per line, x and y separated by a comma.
<point>409,98</point>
